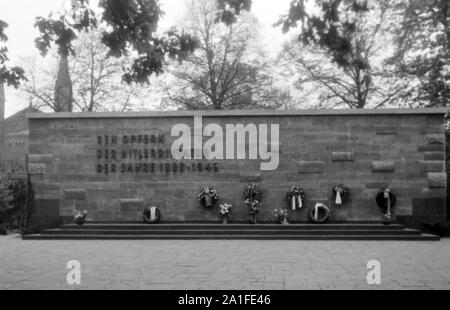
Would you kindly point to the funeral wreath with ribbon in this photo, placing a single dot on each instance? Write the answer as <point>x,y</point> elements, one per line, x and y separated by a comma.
<point>296,197</point>
<point>80,217</point>
<point>320,213</point>
<point>252,196</point>
<point>152,215</point>
<point>208,197</point>
<point>340,193</point>
<point>386,201</point>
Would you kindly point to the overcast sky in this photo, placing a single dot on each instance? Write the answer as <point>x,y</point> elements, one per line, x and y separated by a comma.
<point>21,14</point>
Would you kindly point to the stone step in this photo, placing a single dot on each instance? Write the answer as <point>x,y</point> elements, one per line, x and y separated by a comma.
<point>229,232</point>
<point>247,227</point>
<point>422,237</point>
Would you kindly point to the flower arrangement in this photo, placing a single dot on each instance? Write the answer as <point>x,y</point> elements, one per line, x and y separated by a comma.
<point>80,217</point>
<point>225,209</point>
<point>208,197</point>
<point>340,192</point>
<point>282,216</point>
<point>224,212</point>
<point>253,196</point>
<point>295,197</point>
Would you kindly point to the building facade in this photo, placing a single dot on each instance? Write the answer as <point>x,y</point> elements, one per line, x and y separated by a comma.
<point>115,164</point>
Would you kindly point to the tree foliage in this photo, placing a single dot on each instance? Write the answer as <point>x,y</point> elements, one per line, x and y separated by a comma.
<point>16,204</point>
<point>96,79</point>
<point>340,49</point>
<point>422,44</point>
<point>227,70</point>
<point>131,29</point>
<point>11,76</point>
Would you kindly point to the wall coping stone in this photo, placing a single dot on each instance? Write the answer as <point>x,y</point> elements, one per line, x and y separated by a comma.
<point>257,113</point>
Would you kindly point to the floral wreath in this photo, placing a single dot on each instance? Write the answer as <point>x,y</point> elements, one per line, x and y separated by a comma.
<point>314,214</point>
<point>340,192</point>
<point>80,217</point>
<point>382,199</point>
<point>151,215</point>
<point>208,197</point>
<point>253,196</point>
<point>295,197</point>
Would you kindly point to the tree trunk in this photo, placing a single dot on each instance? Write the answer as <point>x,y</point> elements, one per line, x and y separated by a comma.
<point>2,118</point>
<point>63,87</point>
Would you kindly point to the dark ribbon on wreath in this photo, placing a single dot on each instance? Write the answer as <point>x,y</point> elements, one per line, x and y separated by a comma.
<point>386,201</point>
<point>152,215</point>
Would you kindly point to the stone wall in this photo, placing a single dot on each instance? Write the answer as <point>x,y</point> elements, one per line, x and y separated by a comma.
<point>113,165</point>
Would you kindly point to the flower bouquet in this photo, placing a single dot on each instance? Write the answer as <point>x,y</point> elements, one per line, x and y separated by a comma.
<point>340,193</point>
<point>224,211</point>
<point>295,197</point>
<point>80,217</point>
<point>208,197</point>
<point>253,196</point>
<point>282,216</point>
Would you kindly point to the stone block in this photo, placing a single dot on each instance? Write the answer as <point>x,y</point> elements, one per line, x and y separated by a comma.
<point>249,177</point>
<point>383,166</point>
<point>47,207</point>
<point>79,194</point>
<point>386,130</point>
<point>40,158</point>
<point>429,207</point>
<point>436,139</point>
<point>432,148</point>
<point>131,205</point>
<point>437,180</point>
<point>310,167</point>
<point>434,156</point>
<point>433,166</point>
<point>377,185</point>
<point>343,156</point>
<point>37,169</point>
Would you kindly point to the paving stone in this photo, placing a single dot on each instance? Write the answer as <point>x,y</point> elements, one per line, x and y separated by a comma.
<point>181,265</point>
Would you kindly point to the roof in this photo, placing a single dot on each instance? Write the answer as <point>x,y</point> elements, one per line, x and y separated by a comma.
<point>343,112</point>
<point>18,121</point>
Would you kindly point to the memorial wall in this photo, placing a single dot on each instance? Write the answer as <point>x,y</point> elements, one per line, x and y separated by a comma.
<point>116,164</point>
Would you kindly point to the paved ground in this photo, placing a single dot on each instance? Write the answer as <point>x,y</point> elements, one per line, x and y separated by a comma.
<point>223,264</point>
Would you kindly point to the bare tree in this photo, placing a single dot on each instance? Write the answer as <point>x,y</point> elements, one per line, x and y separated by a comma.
<point>96,79</point>
<point>227,71</point>
<point>349,75</point>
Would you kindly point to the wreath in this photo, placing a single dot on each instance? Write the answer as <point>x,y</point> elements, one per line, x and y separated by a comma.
<point>385,197</point>
<point>295,197</point>
<point>151,215</point>
<point>315,213</point>
<point>340,193</point>
<point>252,192</point>
<point>208,197</point>
<point>80,218</point>
<point>253,196</point>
